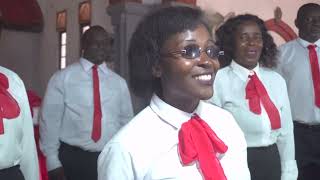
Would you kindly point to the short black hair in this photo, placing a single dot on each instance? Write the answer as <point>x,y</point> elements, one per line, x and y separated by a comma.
<point>148,40</point>
<point>305,8</point>
<point>88,34</point>
<point>225,36</point>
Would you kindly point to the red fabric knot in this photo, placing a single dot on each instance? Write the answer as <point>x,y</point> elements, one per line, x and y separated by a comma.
<point>4,83</point>
<point>9,107</point>
<point>257,94</point>
<point>97,114</point>
<point>314,64</point>
<point>199,143</point>
<point>253,96</point>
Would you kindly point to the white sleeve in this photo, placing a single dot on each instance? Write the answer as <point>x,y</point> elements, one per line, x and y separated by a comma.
<point>115,163</point>
<point>51,115</point>
<point>126,104</point>
<point>29,158</point>
<point>285,141</point>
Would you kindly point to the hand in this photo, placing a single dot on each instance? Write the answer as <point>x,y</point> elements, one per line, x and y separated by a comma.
<point>56,174</point>
<point>277,14</point>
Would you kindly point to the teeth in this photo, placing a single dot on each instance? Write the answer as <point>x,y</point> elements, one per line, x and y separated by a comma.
<point>204,77</point>
<point>252,52</point>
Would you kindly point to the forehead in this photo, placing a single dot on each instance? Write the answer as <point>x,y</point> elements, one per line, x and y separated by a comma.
<point>97,35</point>
<point>199,35</point>
<point>311,12</point>
<point>248,27</point>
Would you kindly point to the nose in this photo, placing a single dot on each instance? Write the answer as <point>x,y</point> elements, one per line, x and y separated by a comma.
<point>205,61</point>
<point>316,20</point>
<point>252,41</point>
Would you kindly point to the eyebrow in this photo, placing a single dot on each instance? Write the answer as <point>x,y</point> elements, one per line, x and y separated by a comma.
<point>256,33</point>
<point>193,40</point>
<point>190,40</point>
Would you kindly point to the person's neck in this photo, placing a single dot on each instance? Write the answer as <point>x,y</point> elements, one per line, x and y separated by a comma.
<point>93,61</point>
<point>185,104</point>
<point>308,39</point>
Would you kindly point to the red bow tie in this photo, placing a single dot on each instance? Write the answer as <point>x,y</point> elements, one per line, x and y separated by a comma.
<point>198,142</point>
<point>9,108</point>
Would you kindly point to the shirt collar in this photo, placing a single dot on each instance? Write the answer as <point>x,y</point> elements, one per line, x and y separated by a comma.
<point>242,72</point>
<point>173,116</point>
<point>87,65</point>
<point>305,43</point>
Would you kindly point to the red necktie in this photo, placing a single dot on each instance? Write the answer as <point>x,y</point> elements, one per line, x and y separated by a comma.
<point>314,63</point>
<point>256,93</point>
<point>96,128</point>
<point>198,142</point>
<point>9,107</point>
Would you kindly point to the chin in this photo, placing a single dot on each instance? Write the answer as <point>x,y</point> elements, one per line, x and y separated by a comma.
<point>206,95</point>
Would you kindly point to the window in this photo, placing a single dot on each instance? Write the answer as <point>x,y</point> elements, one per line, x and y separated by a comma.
<point>85,12</point>
<point>84,17</point>
<point>63,50</point>
<point>62,30</point>
<point>84,28</point>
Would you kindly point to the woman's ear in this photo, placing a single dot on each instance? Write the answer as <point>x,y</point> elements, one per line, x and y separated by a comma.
<point>156,70</point>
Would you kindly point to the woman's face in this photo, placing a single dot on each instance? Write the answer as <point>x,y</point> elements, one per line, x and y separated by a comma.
<point>248,44</point>
<point>185,81</point>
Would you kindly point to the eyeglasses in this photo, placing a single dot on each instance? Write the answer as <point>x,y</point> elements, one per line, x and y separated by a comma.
<point>193,51</point>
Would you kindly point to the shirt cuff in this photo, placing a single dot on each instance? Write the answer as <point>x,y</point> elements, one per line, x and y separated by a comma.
<point>53,162</point>
<point>289,170</point>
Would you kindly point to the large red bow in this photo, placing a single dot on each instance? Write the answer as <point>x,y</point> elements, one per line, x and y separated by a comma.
<point>9,107</point>
<point>256,93</point>
<point>198,142</point>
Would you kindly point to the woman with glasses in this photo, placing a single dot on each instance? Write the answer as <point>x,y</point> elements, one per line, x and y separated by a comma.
<point>178,136</point>
<point>257,97</point>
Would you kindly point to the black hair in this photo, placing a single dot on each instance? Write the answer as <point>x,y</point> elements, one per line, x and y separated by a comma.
<point>306,8</point>
<point>226,41</point>
<point>88,34</point>
<point>148,39</point>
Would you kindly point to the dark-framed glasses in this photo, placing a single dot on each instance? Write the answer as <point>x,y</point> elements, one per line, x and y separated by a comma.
<point>193,51</point>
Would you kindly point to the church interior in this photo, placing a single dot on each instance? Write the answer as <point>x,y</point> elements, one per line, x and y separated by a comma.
<point>43,36</point>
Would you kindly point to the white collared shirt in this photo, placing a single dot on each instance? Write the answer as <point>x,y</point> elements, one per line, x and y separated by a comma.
<point>67,109</point>
<point>295,68</point>
<point>229,93</point>
<point>146,148</point>
<point>17,145</point>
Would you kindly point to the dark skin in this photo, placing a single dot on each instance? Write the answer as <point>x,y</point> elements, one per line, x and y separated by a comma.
<point>97,46</point>
<point>185,82</point>
<point>309,25</point>
<point>248,44</point>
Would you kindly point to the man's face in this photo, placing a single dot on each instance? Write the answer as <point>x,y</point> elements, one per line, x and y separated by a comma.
<point>309,25</point>
<point>98,46</point>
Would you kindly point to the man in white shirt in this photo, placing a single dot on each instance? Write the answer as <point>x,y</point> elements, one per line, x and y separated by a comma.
<point>298,65</point>
<point>85,104</point>
<point>18,154</point>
